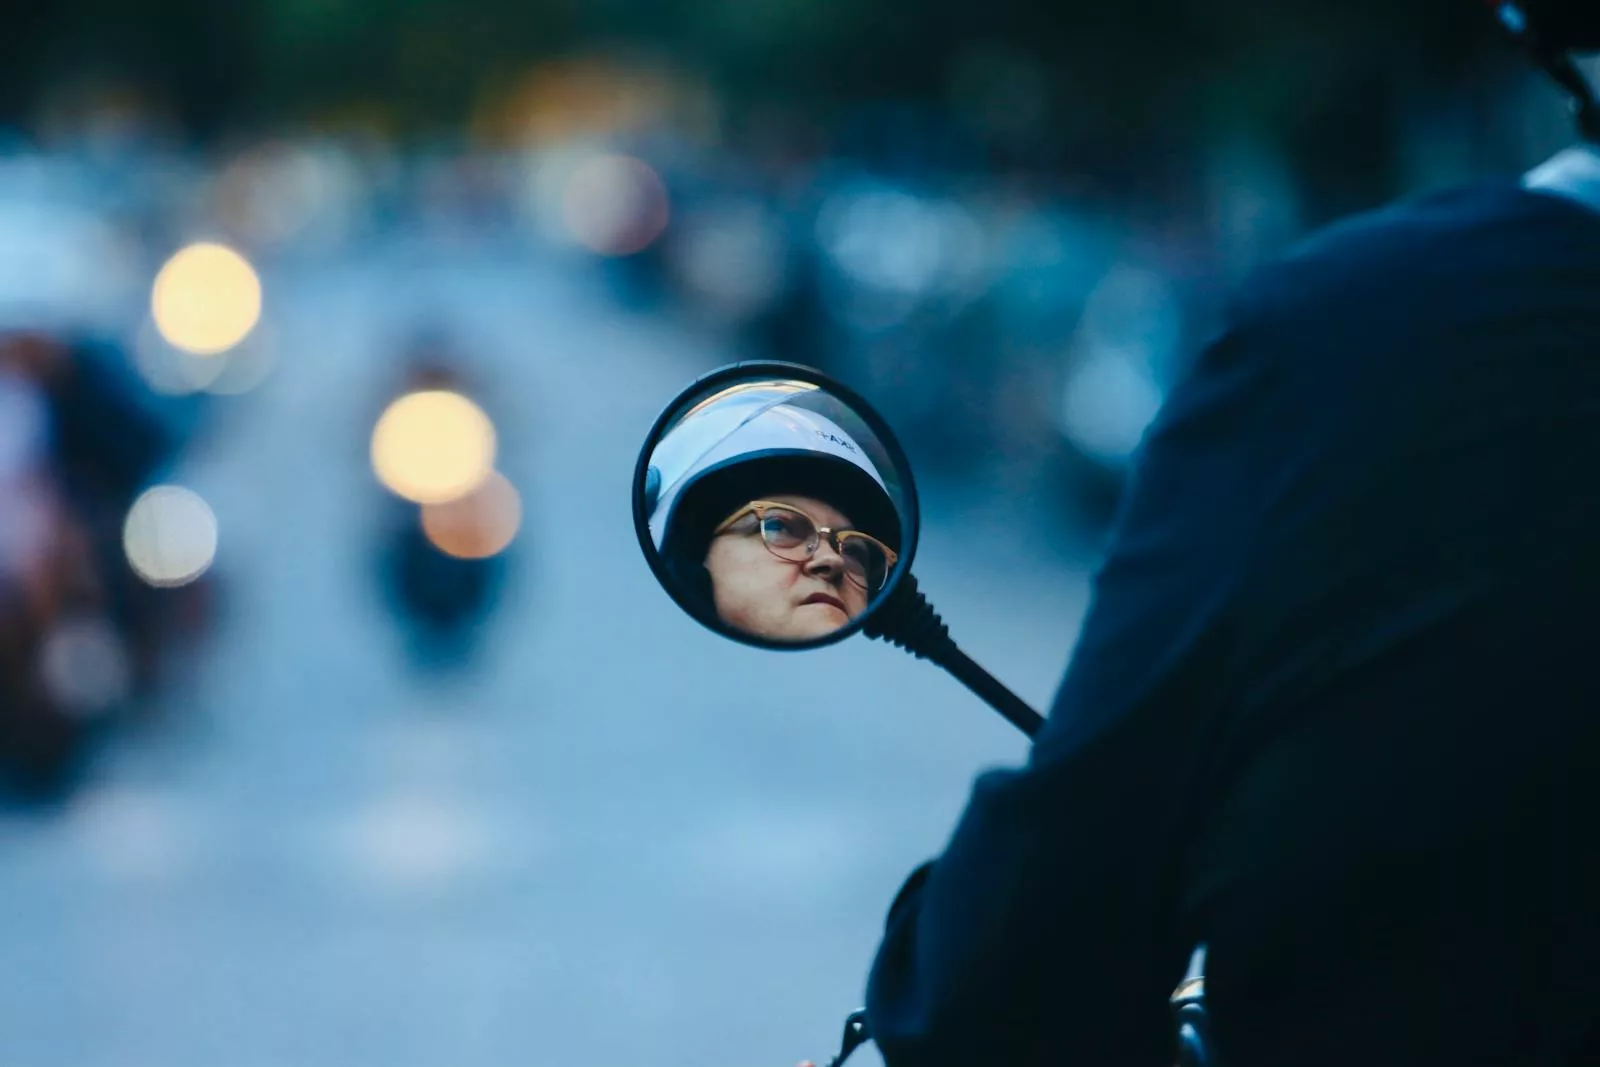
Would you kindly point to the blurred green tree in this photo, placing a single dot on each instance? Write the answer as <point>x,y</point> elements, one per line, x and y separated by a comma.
<point>1112,87</point>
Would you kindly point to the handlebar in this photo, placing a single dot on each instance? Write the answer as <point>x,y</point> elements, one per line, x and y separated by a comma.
<point>856,1034</point>
<point>1195,1048</point>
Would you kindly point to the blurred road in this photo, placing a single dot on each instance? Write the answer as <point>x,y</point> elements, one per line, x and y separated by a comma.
<point>621,841</point>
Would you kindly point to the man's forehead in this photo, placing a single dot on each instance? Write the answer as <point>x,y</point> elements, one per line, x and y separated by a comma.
<point>821,510</point>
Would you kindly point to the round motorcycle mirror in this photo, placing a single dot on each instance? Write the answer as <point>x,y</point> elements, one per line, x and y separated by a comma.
<point>775,506</point>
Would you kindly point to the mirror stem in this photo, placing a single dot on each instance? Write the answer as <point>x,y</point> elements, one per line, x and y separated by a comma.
<point>908,620</point>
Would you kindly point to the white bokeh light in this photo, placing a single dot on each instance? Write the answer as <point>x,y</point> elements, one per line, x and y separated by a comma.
<point>170,535</point>
<point>615,205</point>
<point>84,666</point>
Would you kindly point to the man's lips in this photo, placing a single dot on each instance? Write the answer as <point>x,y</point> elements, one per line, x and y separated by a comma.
<point>825,598</point>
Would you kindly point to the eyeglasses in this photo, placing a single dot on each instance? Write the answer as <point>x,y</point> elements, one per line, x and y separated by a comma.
<point>791,534</point>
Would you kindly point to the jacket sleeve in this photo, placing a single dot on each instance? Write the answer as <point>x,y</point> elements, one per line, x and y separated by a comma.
<point>1048,930</point>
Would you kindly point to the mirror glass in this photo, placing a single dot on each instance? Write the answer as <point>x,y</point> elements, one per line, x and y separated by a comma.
<point>775,506</point>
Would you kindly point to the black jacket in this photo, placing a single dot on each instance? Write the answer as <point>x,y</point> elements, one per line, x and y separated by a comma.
<point>1335,710</point>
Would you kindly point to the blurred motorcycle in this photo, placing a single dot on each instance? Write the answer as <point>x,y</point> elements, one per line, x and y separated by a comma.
<point>441,564</point>
<point>83,640</point>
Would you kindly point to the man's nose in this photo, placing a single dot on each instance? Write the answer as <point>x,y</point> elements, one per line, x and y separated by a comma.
<point>825,562</point>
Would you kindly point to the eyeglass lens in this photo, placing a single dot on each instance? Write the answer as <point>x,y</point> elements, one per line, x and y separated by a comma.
<point>794,537</point>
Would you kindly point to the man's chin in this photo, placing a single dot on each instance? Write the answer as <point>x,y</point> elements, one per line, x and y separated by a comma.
<point>817,620</point>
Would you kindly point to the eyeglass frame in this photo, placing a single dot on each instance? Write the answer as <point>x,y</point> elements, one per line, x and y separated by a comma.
<point>823,533</point>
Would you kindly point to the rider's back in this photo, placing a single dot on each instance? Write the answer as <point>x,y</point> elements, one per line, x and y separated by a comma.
<point>1400,860</point>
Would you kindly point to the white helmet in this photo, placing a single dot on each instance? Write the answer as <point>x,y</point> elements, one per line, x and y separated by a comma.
<point>743,425</point>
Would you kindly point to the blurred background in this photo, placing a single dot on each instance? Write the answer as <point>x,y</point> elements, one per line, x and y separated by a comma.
<point>341,721</point>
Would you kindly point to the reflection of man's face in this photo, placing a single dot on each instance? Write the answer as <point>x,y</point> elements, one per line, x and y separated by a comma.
<point>759,593</point>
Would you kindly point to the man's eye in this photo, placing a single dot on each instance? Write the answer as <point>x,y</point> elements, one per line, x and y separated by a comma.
<point>787,527</point>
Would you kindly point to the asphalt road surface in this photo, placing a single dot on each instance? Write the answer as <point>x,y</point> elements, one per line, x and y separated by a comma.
<point>620,840</point>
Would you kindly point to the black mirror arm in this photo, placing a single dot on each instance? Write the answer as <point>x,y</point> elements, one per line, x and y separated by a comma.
<point>908,620</point>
